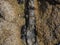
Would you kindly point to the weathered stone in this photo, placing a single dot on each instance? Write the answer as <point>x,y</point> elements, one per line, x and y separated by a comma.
<point>10,23</point>
<point>47,23</point>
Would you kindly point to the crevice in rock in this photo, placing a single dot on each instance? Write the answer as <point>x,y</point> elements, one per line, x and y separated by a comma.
<point>20,1</point>
<point>29,29</point>
<point>1,16</point>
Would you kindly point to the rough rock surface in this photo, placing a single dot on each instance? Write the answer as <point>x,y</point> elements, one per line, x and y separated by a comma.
<point>47,15</point>
<point>47,22</point>
<point>10,23</point>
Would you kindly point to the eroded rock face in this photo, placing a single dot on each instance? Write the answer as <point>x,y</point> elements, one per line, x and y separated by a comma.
<point>48,23</point>
<point>47,14</point>
<point>10,23</point>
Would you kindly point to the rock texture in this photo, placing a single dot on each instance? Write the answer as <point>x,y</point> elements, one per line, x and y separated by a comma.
<point>38,25</point>
<point>10,23</point>
<point>47,22</point>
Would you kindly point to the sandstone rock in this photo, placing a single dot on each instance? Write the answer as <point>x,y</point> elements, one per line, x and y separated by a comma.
<point>47,23</point>
<point>10,23</point>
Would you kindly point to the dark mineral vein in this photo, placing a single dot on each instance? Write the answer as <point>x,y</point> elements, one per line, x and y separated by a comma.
<point>29,30</point>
